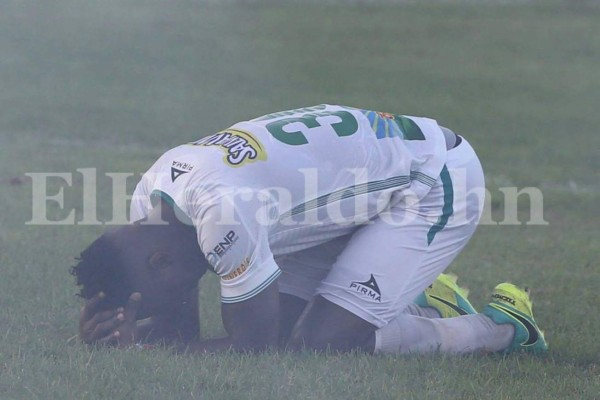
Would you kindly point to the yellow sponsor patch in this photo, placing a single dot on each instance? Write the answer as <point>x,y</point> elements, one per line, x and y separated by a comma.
<point>240,147</point>
<point>238,271</point>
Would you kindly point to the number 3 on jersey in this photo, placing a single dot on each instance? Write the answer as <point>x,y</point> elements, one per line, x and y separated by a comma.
<point>346,126</point>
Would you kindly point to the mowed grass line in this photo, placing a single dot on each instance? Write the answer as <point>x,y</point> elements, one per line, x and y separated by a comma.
<point>109,86</point>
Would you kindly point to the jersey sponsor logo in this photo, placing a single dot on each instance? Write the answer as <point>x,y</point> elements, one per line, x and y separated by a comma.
<point>222,247</point>
<point>368,288</point>
<point>238,271</point>
<point>240,147</point>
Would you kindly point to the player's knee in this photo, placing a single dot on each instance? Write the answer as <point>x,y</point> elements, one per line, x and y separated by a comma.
<point>303,337</point>
<point>329,339</point>
<point>326,326</point>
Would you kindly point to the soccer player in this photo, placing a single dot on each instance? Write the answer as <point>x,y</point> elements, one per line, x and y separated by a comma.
<point>324,224</point>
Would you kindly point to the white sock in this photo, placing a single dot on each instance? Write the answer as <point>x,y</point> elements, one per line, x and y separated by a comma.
<point>426,312</point>
<point>464,334</point>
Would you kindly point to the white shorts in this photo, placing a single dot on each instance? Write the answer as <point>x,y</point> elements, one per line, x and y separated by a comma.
<point>380,268</point>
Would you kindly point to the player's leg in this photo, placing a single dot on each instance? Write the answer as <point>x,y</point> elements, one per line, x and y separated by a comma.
<point>290,308</point>
<point>493,331</point>
<point>387,263</point>
<point>446,238</point>
<point>443,298</point>
<point>329,321</point>
<point>368,285</point>
<point>302,272</point>
<point>506,324</point>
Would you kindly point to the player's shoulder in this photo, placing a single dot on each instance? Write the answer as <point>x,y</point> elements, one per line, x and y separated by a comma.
<point>370,117</point>
<point>294,112</point>
<point>178,156</point>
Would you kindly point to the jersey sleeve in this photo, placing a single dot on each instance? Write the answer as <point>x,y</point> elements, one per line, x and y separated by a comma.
<point>141,202</point>
<point>168,180</point>
<point>233,235</point>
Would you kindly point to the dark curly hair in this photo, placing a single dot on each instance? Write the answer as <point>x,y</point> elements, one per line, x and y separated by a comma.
<point>99,268</point>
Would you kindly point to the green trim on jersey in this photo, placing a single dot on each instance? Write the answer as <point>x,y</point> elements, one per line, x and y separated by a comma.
<point>296,111</point>
<point>421,177</point>
<point>253,292</point>
<point>386,125</point>
<point>347,192</point>
<point>447,209</point>
<point>181,216</point>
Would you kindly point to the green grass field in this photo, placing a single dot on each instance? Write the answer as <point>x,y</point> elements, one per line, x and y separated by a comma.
<point>112,84</point>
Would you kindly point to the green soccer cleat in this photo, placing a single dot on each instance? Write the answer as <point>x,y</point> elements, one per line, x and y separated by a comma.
<point>446,297</point>
<point>511,305</point>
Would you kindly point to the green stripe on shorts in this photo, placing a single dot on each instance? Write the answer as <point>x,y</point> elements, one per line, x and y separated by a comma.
<point>447,209</point>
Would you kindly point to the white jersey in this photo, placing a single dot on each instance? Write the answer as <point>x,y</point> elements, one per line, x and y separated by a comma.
<point>288,181</point>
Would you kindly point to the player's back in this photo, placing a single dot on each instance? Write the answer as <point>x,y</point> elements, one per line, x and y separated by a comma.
<point>340,147</point>
<point>322,168</point>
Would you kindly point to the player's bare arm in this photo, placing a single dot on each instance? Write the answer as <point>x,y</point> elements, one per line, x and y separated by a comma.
<point>168,308</point>
<point>251,325</point>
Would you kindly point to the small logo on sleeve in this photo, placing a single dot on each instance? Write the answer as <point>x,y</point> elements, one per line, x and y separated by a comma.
<point>238,271</point>
<point>368,288</point>
<point>179,168</point>
<point>222,247</point>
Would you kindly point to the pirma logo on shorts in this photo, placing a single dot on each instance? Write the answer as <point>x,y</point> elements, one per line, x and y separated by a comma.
<point>368,288</point>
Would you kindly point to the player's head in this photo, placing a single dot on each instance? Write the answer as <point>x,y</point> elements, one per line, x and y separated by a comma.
<point>162,262</point>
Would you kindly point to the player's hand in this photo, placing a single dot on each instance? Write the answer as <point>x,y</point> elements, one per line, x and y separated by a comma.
<point>125,333</point>
<point>95,324</point>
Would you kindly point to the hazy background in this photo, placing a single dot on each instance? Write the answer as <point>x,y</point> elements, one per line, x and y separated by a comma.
<point>113,84</point>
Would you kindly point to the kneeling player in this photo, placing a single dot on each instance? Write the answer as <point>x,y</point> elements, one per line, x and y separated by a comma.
<point>324,224</point>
